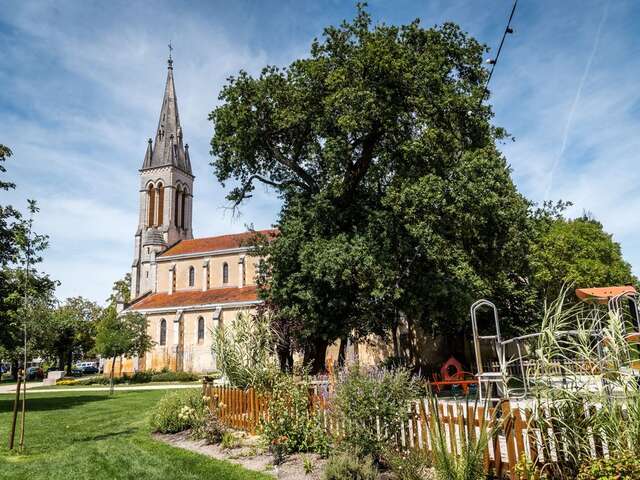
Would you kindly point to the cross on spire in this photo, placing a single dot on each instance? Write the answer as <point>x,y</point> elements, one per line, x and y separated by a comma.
<point>170,61</point>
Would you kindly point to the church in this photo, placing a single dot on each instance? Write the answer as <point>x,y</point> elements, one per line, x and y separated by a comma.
<point>186,287</point>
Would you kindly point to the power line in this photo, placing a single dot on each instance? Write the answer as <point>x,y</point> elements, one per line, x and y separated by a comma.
<point>494,61</point>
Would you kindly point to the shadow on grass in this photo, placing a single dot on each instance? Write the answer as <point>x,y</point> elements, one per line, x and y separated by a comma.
<point>35,404</point>
<point>105,436</point>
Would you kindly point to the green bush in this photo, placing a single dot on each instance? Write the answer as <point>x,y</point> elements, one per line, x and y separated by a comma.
<point>362,397</point>
<point>346,466</point>
<point>209,429</point>
<point>409,464</point>
<point>292,426</point>
<point>622,466</point>
<point>141,377</point>
<point>174,377</point>
<point>178,411</point>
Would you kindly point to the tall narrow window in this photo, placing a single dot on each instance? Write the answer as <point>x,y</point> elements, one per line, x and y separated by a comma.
<point>163,332</point>
<point>192,276</point>
<point>225,273</point>
<point>160,204</point>
<point>151,206</point>
<point>183,212</point>
<point>200,329</point>
<point>175,208</point>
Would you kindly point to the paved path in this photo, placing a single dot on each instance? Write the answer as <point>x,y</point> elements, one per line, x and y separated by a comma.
<point>120,388</point>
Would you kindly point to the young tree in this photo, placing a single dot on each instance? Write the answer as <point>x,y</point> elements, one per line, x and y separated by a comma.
<point>69,331</point>
<point>396,201</point>
<point>15,282</point>
<point>121,290</point>
<point>121,336</point>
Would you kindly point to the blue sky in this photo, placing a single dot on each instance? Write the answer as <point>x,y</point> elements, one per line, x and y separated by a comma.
<point>81,86</point>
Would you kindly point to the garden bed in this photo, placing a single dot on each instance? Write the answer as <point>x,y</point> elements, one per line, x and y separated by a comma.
<point>250,455</point>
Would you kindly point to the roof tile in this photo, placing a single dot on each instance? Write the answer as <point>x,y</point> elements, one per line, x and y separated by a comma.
<point>187,298</point>
<point>211,244</point>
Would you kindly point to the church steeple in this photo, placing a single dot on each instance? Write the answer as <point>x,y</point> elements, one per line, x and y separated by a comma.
<point>168,147</point>
<point>166,192</point>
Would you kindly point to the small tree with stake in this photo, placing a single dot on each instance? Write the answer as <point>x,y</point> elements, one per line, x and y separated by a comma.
<point>121,336</point>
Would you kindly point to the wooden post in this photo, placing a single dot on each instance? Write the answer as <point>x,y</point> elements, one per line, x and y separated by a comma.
<point>452,431</point>
<point>518,432</point>
<point>16,402</point>
<point>481,416</point>
<point>507,422</point>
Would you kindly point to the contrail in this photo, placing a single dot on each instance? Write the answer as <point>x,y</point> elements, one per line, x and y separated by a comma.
<point>576,100</point>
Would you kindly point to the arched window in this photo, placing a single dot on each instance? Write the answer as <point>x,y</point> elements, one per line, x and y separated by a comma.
<point>185,194</point>
<point>200,329</point>
<point>160,204</point>
<point>163,332</point>
<point>225,272</point>
<point>175,208</point>
<point>151,206</point>
<point>192,276</point>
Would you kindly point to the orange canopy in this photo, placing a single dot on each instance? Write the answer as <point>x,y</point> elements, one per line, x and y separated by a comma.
<point>603,294</point>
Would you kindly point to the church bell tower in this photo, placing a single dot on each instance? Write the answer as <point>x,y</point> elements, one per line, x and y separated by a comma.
<point>166,193</point>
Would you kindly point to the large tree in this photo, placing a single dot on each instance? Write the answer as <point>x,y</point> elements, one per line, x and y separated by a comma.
<point>396,201</point>
<point>576,252</point>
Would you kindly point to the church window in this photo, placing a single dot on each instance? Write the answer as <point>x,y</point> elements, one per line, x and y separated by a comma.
<point>192,276</point>
<point>151,206</point>
<point>160,204</point>
<point>163,332</point>
<point>175,208</point>
<point>225,272</point>
<point>200,329</point>
<point>184,196</point>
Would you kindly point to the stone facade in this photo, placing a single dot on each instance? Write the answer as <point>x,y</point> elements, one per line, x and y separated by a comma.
<point>185,287</point>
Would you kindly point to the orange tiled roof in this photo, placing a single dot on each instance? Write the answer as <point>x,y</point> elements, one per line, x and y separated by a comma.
<point>210,244</point>
<point>187,298</point>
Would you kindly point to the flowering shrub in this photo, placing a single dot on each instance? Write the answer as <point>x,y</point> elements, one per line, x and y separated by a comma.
<point>372,406</point>
<point>407,464</point>
<point>178,411</point>
<point>292,425</point>
<point>67,381</point>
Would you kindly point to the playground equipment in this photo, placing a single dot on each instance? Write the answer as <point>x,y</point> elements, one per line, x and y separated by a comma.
<point>508,376</point>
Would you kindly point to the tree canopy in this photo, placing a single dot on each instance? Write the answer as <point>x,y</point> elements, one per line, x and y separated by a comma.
<point>577,252</point>
<point>395,197</point>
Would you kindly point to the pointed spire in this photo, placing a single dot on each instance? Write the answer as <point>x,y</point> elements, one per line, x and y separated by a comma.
<point>148,155</point>
<point>168,148</point>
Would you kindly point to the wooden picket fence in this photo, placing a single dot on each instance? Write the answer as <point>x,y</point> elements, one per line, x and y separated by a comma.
<point>237,408</point>
<point>512,433</point>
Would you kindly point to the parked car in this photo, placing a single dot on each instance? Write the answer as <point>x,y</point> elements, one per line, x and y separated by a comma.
<point>90,370</point>
<point>76,372</point>
<point>34,373</point>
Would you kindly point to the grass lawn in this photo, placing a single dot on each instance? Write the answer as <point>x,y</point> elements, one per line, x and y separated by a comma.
<point>87,435</point>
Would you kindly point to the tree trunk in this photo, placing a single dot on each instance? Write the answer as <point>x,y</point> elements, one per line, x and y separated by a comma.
<point>113,368</point>
<point>342,352</point>
<point>315,356</point>
<point>394,337</point>
<point>14,370</point>
<point>69,361</point>
<point>285,357</point>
